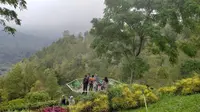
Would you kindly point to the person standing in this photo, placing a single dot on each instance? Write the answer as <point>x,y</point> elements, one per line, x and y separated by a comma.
<point>97,82</point>
<point>88,76</point>
<point>91,82</point>
<point>85,84</point>
<point>63,100</point>
<point>71,100</point>
<point>105,84</point>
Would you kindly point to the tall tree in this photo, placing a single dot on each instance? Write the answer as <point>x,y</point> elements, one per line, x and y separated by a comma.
<point>14,82</point>
<point>52,86</point>
<point>128,25</point>
<point>9,15</point>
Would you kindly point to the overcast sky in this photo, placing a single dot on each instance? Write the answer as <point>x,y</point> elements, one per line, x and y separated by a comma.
<point>50,18</point>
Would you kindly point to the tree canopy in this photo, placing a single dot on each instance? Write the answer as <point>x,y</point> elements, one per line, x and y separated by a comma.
<point>128,26</point>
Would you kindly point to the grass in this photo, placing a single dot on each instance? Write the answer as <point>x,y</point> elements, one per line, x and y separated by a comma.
<point>174,104</point>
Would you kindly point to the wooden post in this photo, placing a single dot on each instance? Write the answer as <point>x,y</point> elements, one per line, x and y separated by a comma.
<point>145,102</point>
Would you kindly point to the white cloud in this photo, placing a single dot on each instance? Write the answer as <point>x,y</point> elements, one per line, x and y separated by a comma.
<point>58,15</point>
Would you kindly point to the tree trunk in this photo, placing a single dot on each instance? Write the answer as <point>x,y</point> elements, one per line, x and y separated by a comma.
<point>140,46</point>
<point>131,78</point>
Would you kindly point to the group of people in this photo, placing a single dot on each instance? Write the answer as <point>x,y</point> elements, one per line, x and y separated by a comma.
<point>93,83</point>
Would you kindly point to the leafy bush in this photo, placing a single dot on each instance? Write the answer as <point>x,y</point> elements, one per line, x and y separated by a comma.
<point>188,86</point>
<point>189,48</point>
<point>167,90</point>
<point>184,86</point>
<point>130,96</point>
<point>54,109</point>
<point>119,97</point>
<point>94,103</point>
<point>20,104</point>
<point>90,97</point>
<point>35,97</point>
<point>38,105</point>
<point>17,104</point>
<point>3,96</point>
<point>190,66</point>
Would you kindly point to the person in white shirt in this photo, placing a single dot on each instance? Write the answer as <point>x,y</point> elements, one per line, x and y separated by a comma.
<point>71,100</point>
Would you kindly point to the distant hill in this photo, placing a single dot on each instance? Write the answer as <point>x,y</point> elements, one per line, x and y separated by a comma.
<point>14,48</point>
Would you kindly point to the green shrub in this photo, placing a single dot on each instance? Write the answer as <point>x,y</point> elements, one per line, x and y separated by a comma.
<point>20,104</point>
<point>118,97</point>
<point>189,49</point>
<point>188,86</point>
<point>95,102</point>
<point>90,97</point>
<point>4,107</point>
<point>167,90</point>
<point>17,104</point>
<point>130,96</point>
<point>38,105</point>
<point>35,97</point>
<point>3,96</point>
<point>190,66</point>
<point>184,86</point>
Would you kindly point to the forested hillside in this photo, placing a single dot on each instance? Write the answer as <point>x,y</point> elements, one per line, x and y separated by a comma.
<point>15,48</point>
<point>146,45</point>
<point>71,57</point>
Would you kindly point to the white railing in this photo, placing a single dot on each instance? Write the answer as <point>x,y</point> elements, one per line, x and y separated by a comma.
<point>79,80</point>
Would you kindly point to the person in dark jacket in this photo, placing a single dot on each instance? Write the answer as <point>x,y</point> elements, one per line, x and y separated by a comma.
<point>63,100</point>
<point>85,84</point>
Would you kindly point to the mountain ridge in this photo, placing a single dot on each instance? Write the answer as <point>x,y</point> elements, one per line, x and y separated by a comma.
<point>18,46</point>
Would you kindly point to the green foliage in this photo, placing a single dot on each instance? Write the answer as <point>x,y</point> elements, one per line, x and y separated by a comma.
<point>189,85</point>
<point>173,104</point>
<point>19,81</point>
<point>190,66</point>
<point>99,103</point>
<point>3,95</point>
<point>162,72</point>
<point>38,86</point>
<point>10,15</point>
<point>123,30</point>
<point>167,90</point>
<point>134,68</point>
<point>35,97</point>
<point>130,96</point>
<point>38,105</point>
<point>189,49</point>
<point>128,28</point>
<point>14,84</point>
<point>17,104</point>
<point>21,104</point>
<point>184,86</point>
<point>90,97</point>
<point>52,86</point>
